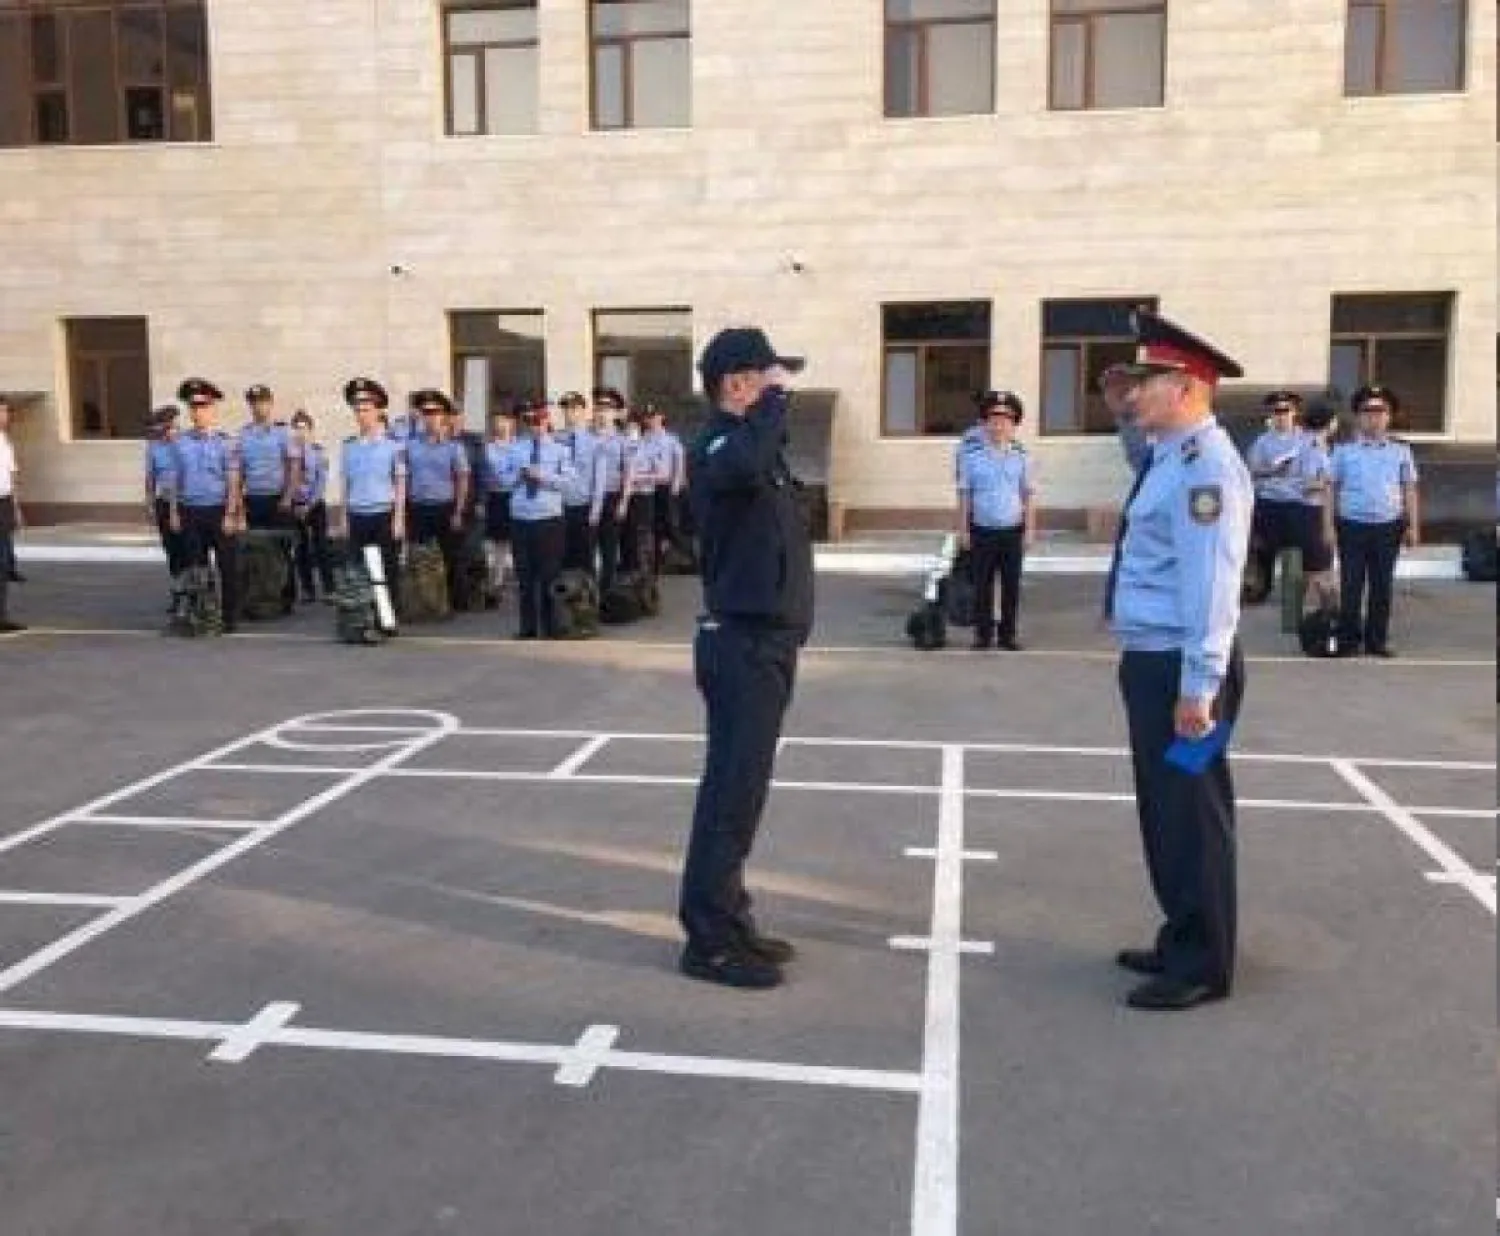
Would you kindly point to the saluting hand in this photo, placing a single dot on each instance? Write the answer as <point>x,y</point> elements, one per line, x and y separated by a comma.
<point>1193,718</point>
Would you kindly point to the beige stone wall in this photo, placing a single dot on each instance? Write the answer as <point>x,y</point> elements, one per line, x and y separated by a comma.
<point>1245,203</point>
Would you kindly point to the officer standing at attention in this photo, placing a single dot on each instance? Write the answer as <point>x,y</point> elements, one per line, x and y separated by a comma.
<point>206,493</point>
<point>1272,460</point>
<point>1314,472</point>
<point>438,485</point>
<point>310,510</point>
<point>585,480</point>
<point>1174,604</point>
<point>1377,512</point>
<point>605,513</point>
<point>641,469</point>
<point>669,460</point>
<point>374,467</point>
<point>997,516</point>
<point>497,496</point>
<point>10,519</point>
<point>537,472</point>
<point>758,601</point>
<point>160,452</point>
<point>271,461</point>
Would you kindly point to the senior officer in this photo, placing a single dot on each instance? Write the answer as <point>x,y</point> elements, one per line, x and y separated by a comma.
<point>1174,604</point>
<point>758,602</point>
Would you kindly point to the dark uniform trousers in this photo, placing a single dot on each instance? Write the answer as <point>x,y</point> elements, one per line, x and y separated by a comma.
<point>1187,821</point>
<point>377,528</point>
<point>538,547</point>
<point>203,533</point>
<point>7,550</point>
<point>997,551</point>
<point>607,536</point>
<point>667,520</point>
<point>263,513</point>
<point>746,672</point>
<point>171,542</point>
<point>636,552</point>
<point>312,549</point>
<point>579,550</point>
<point>1277,526</point>
<point>433,521</point>
<point>1367,559</point>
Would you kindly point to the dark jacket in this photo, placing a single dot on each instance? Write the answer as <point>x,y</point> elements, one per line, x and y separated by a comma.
<point>756,548</point>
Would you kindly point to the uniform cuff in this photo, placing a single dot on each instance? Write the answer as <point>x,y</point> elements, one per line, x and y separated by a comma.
<point>1199,684</point>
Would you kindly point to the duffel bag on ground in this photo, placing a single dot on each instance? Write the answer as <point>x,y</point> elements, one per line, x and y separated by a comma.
<point>265,568</point>
<point>1480,557</point>
<point>1318,633</point>
<point>424,585</point>
<point>927,628</point>
<point>959,595</point>
<point>575,606</point>
<point>355,616</point>
<point>634,596</point>
<point>196,610</point>
<point>475,590</point>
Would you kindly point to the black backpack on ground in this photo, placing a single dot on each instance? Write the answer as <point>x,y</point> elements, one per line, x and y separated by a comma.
<point>1318,633</point>
<point>634,596</point>
<point>927,628</point>
<point>957,593</point>
<point>1480,557</point>
<point>575,606</point>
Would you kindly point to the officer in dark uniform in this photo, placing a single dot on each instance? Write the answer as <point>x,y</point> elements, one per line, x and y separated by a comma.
<point>207,493</point>
<point>758,601</point>
<point>1174,604</point>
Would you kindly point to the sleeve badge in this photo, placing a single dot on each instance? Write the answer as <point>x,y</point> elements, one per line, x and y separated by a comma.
<point>1206,504</point>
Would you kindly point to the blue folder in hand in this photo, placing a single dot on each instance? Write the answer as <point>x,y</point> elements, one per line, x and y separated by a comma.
<point>1194,755</point>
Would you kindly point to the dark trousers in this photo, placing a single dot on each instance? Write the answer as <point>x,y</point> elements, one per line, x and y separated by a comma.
<point>667,521</point>
<point>1367,560</point>
<point>433,521</point>
<point>377,529</point>
<point>203,533</point>
<point>1187,821</point>
<point>263,513</point>
<point>637,554</point>
<point>171,542</point>
<point>578,540</point>
<point>607,535</point>
<point>538,548</point>
<point>1277,526</point>
<point>997,551</point>
<point>312,549</point>
<point>746,674</point>
<point>7,551</point>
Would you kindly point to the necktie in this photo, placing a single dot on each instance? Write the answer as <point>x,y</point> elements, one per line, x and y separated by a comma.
<point>532,484</point>
<point>1114,566</point>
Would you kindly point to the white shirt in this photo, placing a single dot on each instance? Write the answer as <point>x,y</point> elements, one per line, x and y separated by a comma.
<point>7,467</point>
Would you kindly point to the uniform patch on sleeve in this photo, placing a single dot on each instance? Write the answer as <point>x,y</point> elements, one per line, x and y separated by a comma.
<point>717,444</point>
<point>1206,503</point>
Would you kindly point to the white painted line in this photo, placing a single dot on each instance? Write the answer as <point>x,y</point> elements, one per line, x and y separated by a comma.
<point>20,897</point>
<point>240,1044</point>
<point>552,1056</point>
<point>922,944</point>
<point>1442,854</point>
<point>969,856</point>
<point>573,765</point>
<point>589,1056</point>
<point>1453,813</point>
<point>317,770</point>
<point>169,821</point>
<point>935,1192</point>
<point>1446,877</point>
<point>20,971</point>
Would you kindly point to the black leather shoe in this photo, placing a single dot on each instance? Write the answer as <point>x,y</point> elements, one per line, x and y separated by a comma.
<point>16,577</point>
<point>731,967</point>
<point>980,644</point>
<point>1167,995</point>
<point>769,949</point>
<point>1012,644</point>
<point>1145,961</point>
<point>1384,651</point>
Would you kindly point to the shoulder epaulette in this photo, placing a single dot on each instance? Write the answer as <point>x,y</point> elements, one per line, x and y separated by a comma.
<point>1192,450</point>
<point>353,437</point>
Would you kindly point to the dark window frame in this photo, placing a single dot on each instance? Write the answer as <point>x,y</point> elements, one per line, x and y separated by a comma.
<point>459,352</point>
<point>99,359</point>
<point>1385,58</point>
<point>626,44</point>
<point>1086,20</point>
<point>685,399</point>
<point>923,349</point>
<point>475,52</point>
<point>921,27</point>
<point>1369,343</point>
<point>1082,345</point>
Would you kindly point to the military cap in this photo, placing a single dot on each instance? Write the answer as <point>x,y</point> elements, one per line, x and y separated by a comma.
<point>1166,348</point>
<point>434,399</point>
<point>163,416</point>
<point>302,417</point>
<point>1368,394</point>
<point>358,387</point>
<point>1007,403</point>
<point>1277,398</point>
<point>195,389</point>
<point>1321,413</point>
<point>743,349</point>
<point>609,395</point>
<point>573,399</point>
<point>258,394</point>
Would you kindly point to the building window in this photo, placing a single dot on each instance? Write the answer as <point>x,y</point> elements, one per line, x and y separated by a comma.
<point>647,355</point>
<point>643,70</point>
<point>109,376</point>
<point>491,53</point>
<point>1080,340</point>
<point>937,358</point>
<point>1400,341</point>
<point>939,57</point>
<point>104,73</point>
<point>1108,53</point>
<point>499,359</point>
<point>1404,46</point>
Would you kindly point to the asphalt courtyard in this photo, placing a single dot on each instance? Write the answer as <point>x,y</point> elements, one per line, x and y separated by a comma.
<point>305,940</point>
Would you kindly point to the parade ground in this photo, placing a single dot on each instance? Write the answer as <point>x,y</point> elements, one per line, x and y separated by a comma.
<point>299,939</point>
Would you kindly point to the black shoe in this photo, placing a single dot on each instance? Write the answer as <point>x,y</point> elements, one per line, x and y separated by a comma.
<point>769,949</point>
<point>1168,995</point>
<point>1384,651</point>
<point>1348,651</point>
<point>731,967</point>
<point>980,644</point>
<point>1010,644</point>
<point>1145,961</point>
<point>16,577</point>
<point>7,627</point>
<point>525,635</point>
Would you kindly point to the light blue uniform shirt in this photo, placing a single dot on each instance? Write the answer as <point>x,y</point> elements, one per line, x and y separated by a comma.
<point>667,457</point>
<point>372,466</point>
<point>265,451</point>
<point>204,464</point>
<point>973,440</point>
<point>1312,471</point>
<point>642,465</point>
<point>434,468</point>
<point>314,487</point>
<point>998,481</point>
<point>1370,474</point>
<point>547,502</point>
<point>495,452</point>
<point>588,463</point>
<point>161,457</point>
<point>1182,560</point>
<point>1269,450</point>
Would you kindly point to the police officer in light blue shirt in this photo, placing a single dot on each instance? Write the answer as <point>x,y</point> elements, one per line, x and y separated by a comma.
<point>669,464</point>
<point>537,472</point>
<point>271,463</point>
<point>206,494</point>
<point>1377,510</point>
<point>161,455</point>
<point>586,481</point>
<point>1174,603</point>
<point>374,468</point>
<point>641,469</point>
<point>310,511</point>
<point>497,531</point>
<point>438,477</point>
<point>607,513</point>
<point>1272,460</point>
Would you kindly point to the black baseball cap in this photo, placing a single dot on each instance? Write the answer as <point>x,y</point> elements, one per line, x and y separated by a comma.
<point>743,349</point>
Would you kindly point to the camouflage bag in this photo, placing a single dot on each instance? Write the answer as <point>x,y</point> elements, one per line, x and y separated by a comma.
<point>575,606</point>
<point>356,620</point>
<point>265,569</point>
<point>424,585</point>
<point>475,589</point>
<point>196,611</point>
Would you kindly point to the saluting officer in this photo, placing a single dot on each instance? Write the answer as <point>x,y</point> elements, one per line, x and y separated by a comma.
<point>310,509</point>
<point>1272,460</point>
<point>537,472</point>
<point>438,478</point>
<point>207,494</point>
<point>1377,511</point>
<point>997,516</point>
<point>758,602</point>
<point>1174,603</point>
<point>160,453</point>
<point>374,467</point>
<point>606,511</point>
